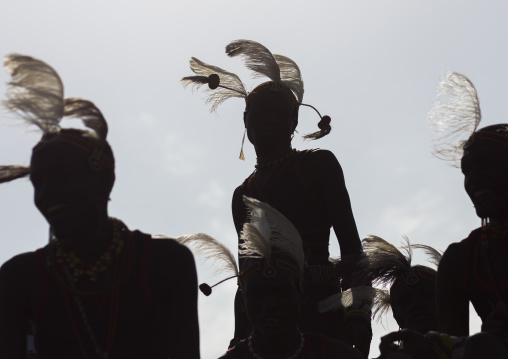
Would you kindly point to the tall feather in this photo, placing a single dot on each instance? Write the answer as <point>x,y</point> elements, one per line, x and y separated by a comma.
<point>455,116</point>
<point>235,87</point>
<point>10,173</point>
<point>35,92</point>
<point>273,228</point>
<point>290,75</point>
<point>210,249</point>
<point>256,57</point>
<point>88,113</point>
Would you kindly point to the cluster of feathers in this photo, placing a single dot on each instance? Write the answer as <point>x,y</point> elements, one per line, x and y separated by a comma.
<point>36,94</point>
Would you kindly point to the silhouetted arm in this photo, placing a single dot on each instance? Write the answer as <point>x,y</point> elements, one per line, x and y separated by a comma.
<point>13,311</point>
<point>176,279</point>
<point>452,301</point>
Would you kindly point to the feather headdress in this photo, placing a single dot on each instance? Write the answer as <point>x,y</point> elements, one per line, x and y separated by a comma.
<point>257,58</point>
<point>383,263</point>
<point>36,94</point>
<point>268,231</point>
<point>455,116</point>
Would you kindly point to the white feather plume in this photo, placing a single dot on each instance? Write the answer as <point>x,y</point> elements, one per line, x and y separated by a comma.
<point>455,116</point>
<point>256,57</point>
<point>87,112</point>
<point>217,96</point>
<point>433,254</point>
<point>35,92</point>
<point>268,228</point>
<point>210,249</point>
<point>364,294</point>
<point>290,75</point>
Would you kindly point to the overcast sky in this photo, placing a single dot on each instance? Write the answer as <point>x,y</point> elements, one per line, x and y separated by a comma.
<point>373,66</point>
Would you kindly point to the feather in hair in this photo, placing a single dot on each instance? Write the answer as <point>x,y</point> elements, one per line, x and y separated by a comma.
<point>35,92</point>
<point>290,75</point>
<point>383,262</point>
<point>88,113</point>
<point>10,173</point>
<point>382,304</point>
<point>275,229</point>
<point>230,84</point>
<point>455,116</point>
<point>256,57</point>
<point>434,254</point>
<point>210,249</point>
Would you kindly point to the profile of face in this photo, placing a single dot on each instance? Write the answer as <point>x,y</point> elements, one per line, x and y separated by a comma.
<point>485,169</point>
<point>273,305</point>
<point>270,119</point>
<point>67,191</point>
<point>414,306</point>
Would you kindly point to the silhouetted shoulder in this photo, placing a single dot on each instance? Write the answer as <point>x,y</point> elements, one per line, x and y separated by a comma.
<point>20,266</point>
<point>168,249</point>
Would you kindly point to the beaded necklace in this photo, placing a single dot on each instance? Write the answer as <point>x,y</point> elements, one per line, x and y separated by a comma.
<point>294,355</point>
<point>270,160</point>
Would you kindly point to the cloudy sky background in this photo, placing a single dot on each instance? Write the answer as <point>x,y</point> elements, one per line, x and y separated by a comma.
<point>373,66</point>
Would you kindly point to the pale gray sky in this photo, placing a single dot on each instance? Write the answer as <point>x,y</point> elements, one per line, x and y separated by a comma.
<point>373,66</point>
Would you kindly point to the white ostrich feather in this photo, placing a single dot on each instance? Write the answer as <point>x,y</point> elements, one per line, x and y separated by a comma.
<point>35,92</point>
<point>256,57</point>
<point>272,230</point>
<point>87,112</point>
<point>455,116</point>
<point>210,249</point>
<point>290,75</point>
<point>230,84</point>
<point>364,294</point>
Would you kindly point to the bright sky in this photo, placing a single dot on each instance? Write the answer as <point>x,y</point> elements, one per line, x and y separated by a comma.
<point>373,66</point>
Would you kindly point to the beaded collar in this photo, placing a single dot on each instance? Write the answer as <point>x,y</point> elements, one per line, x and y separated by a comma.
<point>293,355</point>
<point>270,160</point>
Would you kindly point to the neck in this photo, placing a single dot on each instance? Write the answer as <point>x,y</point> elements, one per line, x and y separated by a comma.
<point>283,342</point>
<point>274,157</point>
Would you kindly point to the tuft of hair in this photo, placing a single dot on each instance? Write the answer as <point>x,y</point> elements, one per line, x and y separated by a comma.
<point>10,173</point>
<point>230,83</point>
<point>35,92</point>
<point>256,58</point>
<point>383,262</point>
<point>88,113</point>
<point>268,228</point>
<point>290,75</point>
<point>210,249</point>
<point>455,116</point>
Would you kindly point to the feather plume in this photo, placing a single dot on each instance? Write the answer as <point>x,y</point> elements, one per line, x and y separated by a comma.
<point>88,113</point>
<point>381,305</point>
<point>272,229</point>
<point>35,92</point>
<point>10,173</point>
<point>433,254</point>
<point>210,249</point>
<point>383,262</point>
<point>455,116</point>
<point>290,75</point>
<point>348,298</point>
<point>230,84</point>
<point>256,57</point>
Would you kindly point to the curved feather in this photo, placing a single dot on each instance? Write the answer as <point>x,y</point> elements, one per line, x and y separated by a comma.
<point>253,243</point>
<point>212,250</point>
<point>35,92</point>
<point>455,116</point>
<point>10,173</point>
<point>434,255</point>
<point>256,57</point>
<point>88,113</point>
<point>235,87</point>
<point>275,229</point>
<point>290,75</point>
